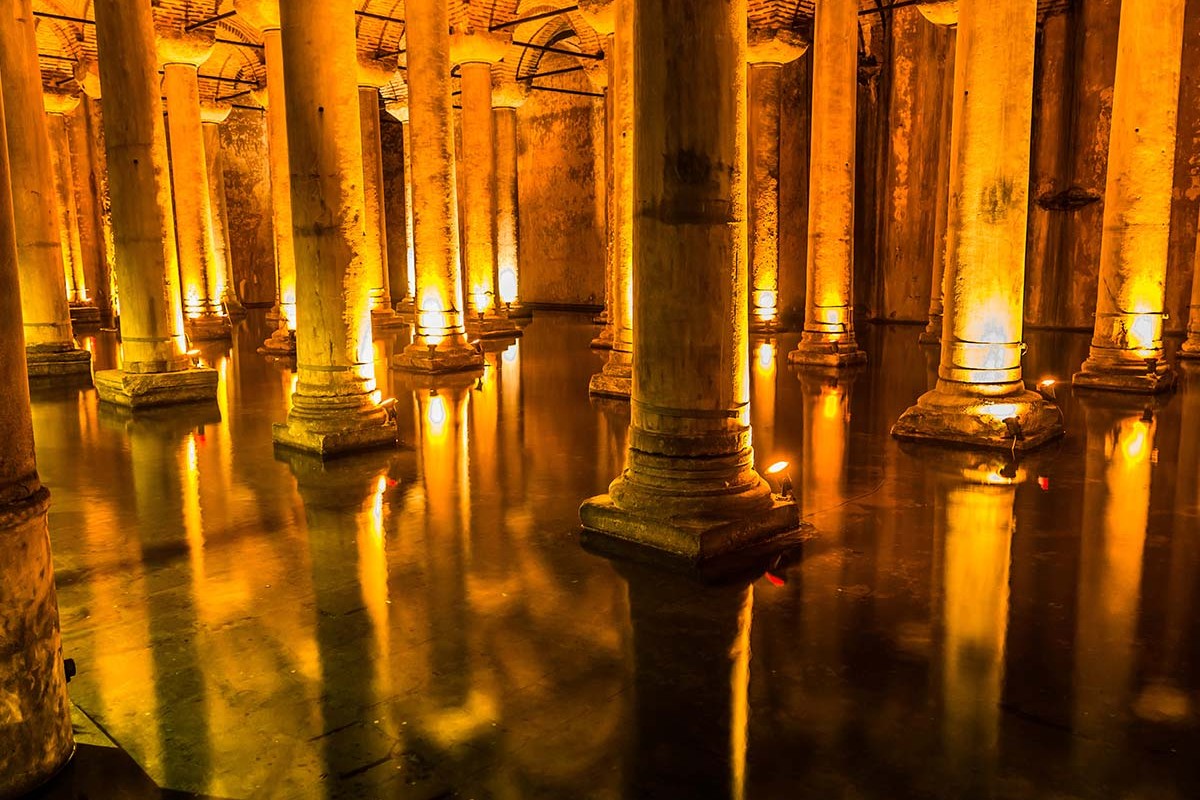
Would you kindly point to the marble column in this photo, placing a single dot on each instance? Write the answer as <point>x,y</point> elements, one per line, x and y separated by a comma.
<point>828,338</point>
<point>933,329</point>
<point>49,347</point>
<point>475,54</point>
<point>155,366</point>
<point>980,398</point>
<point>616,18</point>
<point>335,405</point>
<point>59,108</point>
<point>199,271</point>
<point>440,344</point>
<point>769,51</point>
<point>407,303</point>
<point>602,78</point>
<point>1127,347</point>
<point>35,739</point>
<point>371,76</point>
<point>264,16</point>
<point>690,489</point>
<point>1191,346</point>
<point>212,116</point>
<point>507,97</point>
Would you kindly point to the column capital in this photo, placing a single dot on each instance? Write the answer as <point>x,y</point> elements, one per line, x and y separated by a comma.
<point>260,14</point>
<point>940,12</point>
<point>87,75</point>
<point>775,46</point>
<point>477,48</point>
<point>60,101</point>
<point>183,48</point>
<point>509,93</point>
<point>398,110</point>
<point>214,113</point>
<point>600,14</point>
<point>376,72</point>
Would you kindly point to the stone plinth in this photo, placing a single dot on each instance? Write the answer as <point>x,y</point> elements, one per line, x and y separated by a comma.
<point>969,419</point>
<point>56,360</point>
<point>146,390</point>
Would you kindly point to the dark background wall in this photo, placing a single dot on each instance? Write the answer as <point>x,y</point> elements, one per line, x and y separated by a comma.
<point>248,195</point>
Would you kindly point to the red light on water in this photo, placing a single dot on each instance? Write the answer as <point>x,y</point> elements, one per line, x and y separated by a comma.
<point>1044,483</point>
<point>775,579</point>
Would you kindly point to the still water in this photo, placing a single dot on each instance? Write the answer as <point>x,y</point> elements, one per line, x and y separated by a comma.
<point>424,622</point>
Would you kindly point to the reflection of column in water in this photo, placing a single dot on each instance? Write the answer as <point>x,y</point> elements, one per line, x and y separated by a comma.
<point>975,514</point>
<point>763,372</point>
<point>691,647</point>
<point>826,394</point>
<point>512,423</point>
<point>1119,466</point>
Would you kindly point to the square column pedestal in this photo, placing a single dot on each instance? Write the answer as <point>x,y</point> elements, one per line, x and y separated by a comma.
<point>148,389</point>
<point>57,360</point>
<point>332,426</point>
<point>1019,421</point>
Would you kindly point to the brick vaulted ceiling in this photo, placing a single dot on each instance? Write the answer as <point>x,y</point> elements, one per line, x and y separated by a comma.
<point>67,45</point>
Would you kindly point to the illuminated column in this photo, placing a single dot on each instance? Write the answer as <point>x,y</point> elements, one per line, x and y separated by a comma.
<point>440,344</point>
<point>690,488</point>
<point>828,337</point>
<point>980,398</point>
<point>371,76</point>
<point>219,283</point>
<point>264,16</point>
<point>35,737</point>
<point>335,407</point>
<point>506,99</point>
<point>769,51</point>
<point>1127,348</point>
<point>602,78</point>
<point>155,366</point>
<point>1191,347</point>
<point>616,379</point>
<point>49,347</point>
<point>933,330</point>
<point>475,54</point>
<point>407,304</point>
<point>199,270</point>
<point>58,109</point>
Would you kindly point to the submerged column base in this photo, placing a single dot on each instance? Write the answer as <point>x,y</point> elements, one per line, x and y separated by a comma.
<point>208,328</point>
<point>149,389</point>
<point>491,326</point>
<point>332,426</point>
<point>385,317</point>
<point>281,344</point>
<point>825,350</point>
<point>84,314</point>
<point>615,379</point>
<point>933,332</point>
<point>974,420</point>
<point>604,339</point>
<point>56,360</point>
<point>519,310</point>
<point>36,739</point>
<point>440,358</point>
<point>1115,374</point>
<point>1190,349</point>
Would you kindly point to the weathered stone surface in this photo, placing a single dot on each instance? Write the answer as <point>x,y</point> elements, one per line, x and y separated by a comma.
<point>49,360</point>
<point>975,421</point>
<point>144,390</point>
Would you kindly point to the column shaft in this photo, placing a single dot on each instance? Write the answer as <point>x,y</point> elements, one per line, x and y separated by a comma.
<point>48,337</point>
<point>828,337</point>
<point>479,186</point>
<point>508,226</point>
<point>1191,347</point>
<point>933,330</point>
<point>440,344</point>
<point>281,190</point>
<point>35,739</point>
<point>1127,347</point>
<point>690,488</point>
<point>980,398</point>
<point>334,407</point>
<point>764,111</point>
<point>409,229</point>
<point>220,283</point>
<point>68,214</point>
<point>375,223</point>
<point>199,271</point>
<point>604,339</point>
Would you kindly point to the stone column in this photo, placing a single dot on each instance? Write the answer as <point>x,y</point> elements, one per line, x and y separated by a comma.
<point>506,99</point>
<point>407,303</point>
<point>601,77</point>
<point>35,739</point>
<point>615,19</point>
<point>264,16</point>
<point>440,344</point>
<point>335,406</point>
<point>769,51</point>
<point>933,330</point>
<point>475,53</point>
<point>828,338</point>
<point>980,398</point>
<point>220,284</point>
<point>49,347</point>
<point>199,272</point>
<point>690,489</point>
<point>1191,347</point>
<point>1127,348</point>
<point>371,76</point>
<point>155,366</point>
<point>59,107</point>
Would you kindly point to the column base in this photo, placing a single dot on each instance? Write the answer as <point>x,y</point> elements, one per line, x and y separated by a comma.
<point>233,305</point>
<point>931,337</point>
<point>492,327</point>
<point>601,318</point>
<point>384,317</point>
<point>1190,349</point>
<point>764,327</point>
<point>36,739</point>
<point>823,353</point>
<point>976,421</point>
<point>281,344</point>
<point>84,315</point>
<point>301,436</point>
<point>1132,377</point>
<point>418,357</point>
<point>519,311</point>
<point>615,380</point>
<point>57,360</point>
<point>603,340</point>
<point>149,389</point>
<point>208,328</point>
<point>406,307</point>
<point>687,539</point>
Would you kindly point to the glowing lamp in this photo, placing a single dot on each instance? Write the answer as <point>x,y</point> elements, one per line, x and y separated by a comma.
<point>777,467</point>
<point>507,284</point>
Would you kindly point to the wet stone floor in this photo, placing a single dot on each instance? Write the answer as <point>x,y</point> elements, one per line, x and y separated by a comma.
<point>424,623</point>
